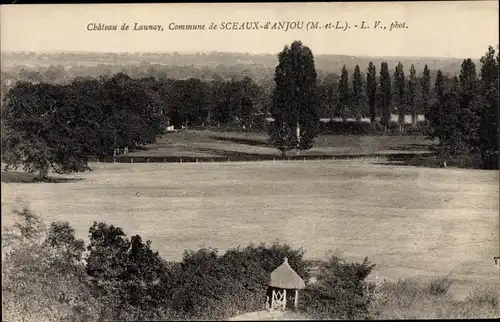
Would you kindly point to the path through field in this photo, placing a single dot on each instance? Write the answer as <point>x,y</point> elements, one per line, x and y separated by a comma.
<point>409,221</point>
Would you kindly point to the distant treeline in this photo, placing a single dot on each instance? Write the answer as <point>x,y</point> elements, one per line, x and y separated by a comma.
<point>212,99</point>
<point>101,114</point>
<point>64,67</point>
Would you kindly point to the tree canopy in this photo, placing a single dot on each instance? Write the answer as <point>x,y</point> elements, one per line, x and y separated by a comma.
<point>295,99</point>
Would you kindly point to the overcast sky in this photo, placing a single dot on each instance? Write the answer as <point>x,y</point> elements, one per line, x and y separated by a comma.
<point>437,29</point>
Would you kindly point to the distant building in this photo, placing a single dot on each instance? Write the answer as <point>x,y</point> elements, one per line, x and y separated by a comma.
<point>394,119</point>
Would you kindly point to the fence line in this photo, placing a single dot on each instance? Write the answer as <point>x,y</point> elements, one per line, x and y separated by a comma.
<point>418,156</point>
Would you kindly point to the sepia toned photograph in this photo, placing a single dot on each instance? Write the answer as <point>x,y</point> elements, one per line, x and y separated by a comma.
<point>250,161</point>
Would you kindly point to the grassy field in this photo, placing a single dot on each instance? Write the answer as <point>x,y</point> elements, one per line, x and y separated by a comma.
<point>211,144</point>
<point>411,222</point>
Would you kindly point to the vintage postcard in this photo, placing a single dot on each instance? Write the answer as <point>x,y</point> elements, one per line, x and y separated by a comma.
<point>250,161</point>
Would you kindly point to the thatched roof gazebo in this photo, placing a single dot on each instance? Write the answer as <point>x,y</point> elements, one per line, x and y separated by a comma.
<point>284,278</point>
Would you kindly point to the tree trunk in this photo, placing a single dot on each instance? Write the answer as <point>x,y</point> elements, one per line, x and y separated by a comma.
<point>43,173</point>
<point>298,136</point>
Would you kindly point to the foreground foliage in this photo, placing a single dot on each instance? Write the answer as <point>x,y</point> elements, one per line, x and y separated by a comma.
<point>49,275</point>
<point>416,299</point>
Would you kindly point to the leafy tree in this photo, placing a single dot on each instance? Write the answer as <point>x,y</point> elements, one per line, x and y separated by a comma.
<point>220,102</point>
<point>357,89</point>
<point>43,278</point>
<point>132,111</point>
<point>244,98</point>
<point>328,96</point>
<point>343,102</point>
<point>400,86</point>
<point>61,238</point>
<point>341,291</point>
<point>295,105</point>
<point>42,130</point>
<point>87,100</point>
<point>386,94</point>
<point>371,90</point>
<point>127,276</point>
<point>192,105</point>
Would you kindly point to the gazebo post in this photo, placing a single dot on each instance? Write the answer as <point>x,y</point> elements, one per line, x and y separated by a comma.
<point>284,299</point>
<point>296,302</point>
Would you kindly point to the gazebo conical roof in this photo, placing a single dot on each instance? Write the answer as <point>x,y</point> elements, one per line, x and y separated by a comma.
<point>285,277</point>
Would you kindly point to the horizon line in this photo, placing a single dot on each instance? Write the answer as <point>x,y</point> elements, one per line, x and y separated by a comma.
<point>231,52</point>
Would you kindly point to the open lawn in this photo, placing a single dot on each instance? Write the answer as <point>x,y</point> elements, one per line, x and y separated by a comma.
<point>193,143</point>
<point>411,222</point>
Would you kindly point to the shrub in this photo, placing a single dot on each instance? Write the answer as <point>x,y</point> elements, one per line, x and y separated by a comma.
<point>414,299</point>
<point>340,292</point>
<point>271,256</point>
<point>484,297</point>
<point>39,281</point>
<point>213,286</point>
<point>126,275</point>
<point>440,285</point>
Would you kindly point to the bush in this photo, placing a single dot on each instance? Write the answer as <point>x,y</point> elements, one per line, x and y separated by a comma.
<point>415,299</point>
<point>40,282</point>
<point>340,292</point>
<point>486,297</point>
<point>440,285</point>
<point>126,275</point>
<point>210,286</point>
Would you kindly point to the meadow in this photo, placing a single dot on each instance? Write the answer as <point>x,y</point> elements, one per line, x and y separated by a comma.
<point>410,222</point>
<point>213,143</point>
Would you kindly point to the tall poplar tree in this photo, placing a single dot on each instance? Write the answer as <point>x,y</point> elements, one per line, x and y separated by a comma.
<point>294,100</point>
<point>386,95</point>
<point>343,102</point>
<point>471,105</point>
<point>447,124</point>
<point>412,82</point>
<point>425,82</point>
<point>371,90</point>
<point>400,86</point>
<point>357,90</point>
<point>434,113</point>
